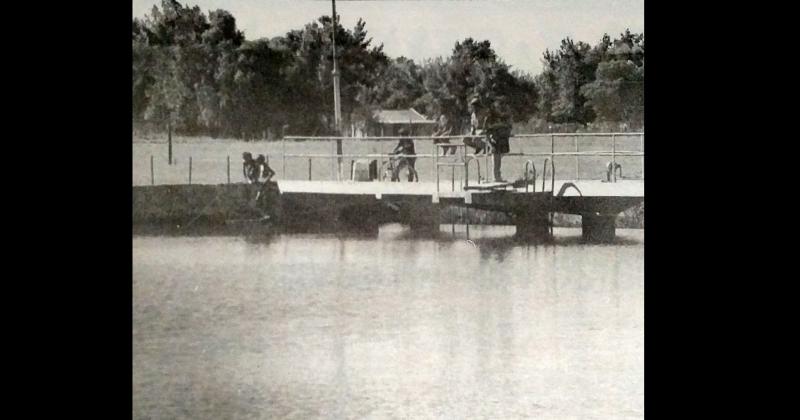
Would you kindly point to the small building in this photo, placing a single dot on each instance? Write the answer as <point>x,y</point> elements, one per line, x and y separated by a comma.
<point>386,122</point>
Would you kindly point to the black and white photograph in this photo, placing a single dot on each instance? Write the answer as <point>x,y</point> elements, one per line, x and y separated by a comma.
<point>388,209</point>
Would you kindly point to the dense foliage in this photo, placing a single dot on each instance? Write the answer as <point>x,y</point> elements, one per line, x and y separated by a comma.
<point>197,72</point>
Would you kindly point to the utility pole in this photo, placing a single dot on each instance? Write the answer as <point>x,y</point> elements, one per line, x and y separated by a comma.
<point>336,97</point>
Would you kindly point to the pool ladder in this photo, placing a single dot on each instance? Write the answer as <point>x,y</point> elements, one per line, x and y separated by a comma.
<point>530,169</point>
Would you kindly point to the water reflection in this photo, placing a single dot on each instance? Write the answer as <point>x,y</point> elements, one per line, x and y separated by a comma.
<point>491,235</point>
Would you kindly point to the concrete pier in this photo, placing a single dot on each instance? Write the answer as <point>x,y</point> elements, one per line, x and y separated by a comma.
<point>326,206</point>
<point>533,225</point>
<point>598,228</point>
<point>421,216</point>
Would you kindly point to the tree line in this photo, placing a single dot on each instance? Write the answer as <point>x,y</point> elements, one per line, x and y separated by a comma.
<point>198,73</point>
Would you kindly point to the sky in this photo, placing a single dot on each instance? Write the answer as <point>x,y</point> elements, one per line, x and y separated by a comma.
<point>519,30</point>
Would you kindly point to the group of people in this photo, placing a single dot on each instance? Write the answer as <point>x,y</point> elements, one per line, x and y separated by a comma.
<point>489,128</point>
<point>488,132</point>
<point>254,170</point>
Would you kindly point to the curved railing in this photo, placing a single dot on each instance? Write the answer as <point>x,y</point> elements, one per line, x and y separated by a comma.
<point>469,159</point>
<point>552,174</point>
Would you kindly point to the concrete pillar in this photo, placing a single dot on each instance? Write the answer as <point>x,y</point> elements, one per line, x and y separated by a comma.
<point>363,219</point>
<point>598,228</point>
<point>533,226</point>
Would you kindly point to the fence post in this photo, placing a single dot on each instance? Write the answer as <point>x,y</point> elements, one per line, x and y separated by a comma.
<point>436,167</point>
<point>229,169</point>
<point>577,162</point>
<point>283,152</point>
<point>380,159</point>
<point>486,164</point>
<point>614,156</point>
<point>190,170</point>
<point>169,141</point>
<point>152,177</point>
<point>552,146</point>
<point>339,152</point>
<point>642,136</point>
<point>466,168</point>
<point>309,169</point>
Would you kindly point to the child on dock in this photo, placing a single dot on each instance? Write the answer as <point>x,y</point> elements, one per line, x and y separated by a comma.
<point>443,128</point>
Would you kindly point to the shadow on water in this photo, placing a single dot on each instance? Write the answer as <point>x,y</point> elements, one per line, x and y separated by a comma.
<point>579,241</point>
<point>491,244</point>
<point>250,228</point>
<point>200,230</point>
<point>412,235</point>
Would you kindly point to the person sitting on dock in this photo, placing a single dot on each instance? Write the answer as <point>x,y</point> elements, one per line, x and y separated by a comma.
<point>477,126</point>
<point>404,147</point>
<point>444,128</point>
<point>249,169</point>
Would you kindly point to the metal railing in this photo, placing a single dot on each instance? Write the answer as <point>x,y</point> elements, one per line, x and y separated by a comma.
<point>526,172</point>
<point>613,153</point>
<point>188,175</point>
<point>552,174</point>
<point>463,162</point>
<point>577,153</point>
<point>462,159</point>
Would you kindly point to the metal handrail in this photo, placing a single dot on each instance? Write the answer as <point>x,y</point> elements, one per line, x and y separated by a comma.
<point>552,174</point>
<point>464,157</point>
<point>544,172</point>
<point>533,166</point>
<point>466,165</point>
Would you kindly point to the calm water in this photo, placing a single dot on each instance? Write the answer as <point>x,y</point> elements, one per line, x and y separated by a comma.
<point>319,326</point>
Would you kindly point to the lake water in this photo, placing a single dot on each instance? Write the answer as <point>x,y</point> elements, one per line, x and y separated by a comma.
<point>398,326</point>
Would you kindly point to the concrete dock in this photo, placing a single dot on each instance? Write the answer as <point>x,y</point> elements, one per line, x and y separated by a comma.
<point>366,205</point>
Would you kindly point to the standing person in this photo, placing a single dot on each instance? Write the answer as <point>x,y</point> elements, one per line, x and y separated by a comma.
<point>263,170</point>
<point>404,147</point>
<point>498,126</point>
<point>444,128</point>
<point>249,169</point>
